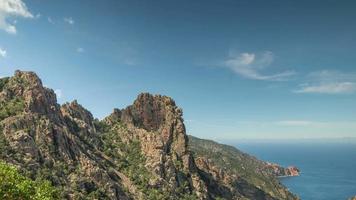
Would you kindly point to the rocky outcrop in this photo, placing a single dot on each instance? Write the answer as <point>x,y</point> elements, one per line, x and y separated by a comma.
<point>43,143</point>
<point>140,152</point>
<point>157,123</point>
<point>352,198</point>
<point>280,171</point>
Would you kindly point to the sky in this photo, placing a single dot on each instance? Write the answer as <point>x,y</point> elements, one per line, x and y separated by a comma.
<point>239,69</point>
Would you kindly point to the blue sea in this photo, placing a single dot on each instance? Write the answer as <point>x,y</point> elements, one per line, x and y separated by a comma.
<point>328,170</point>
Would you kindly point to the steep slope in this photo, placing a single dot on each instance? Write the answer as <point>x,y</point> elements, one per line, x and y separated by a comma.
<point>243,173</point>
<point>140,152</point>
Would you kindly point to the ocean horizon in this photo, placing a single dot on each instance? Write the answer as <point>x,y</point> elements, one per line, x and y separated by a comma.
<point>327,168</point>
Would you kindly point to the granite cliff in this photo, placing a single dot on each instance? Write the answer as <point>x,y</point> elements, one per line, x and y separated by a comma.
<point>139,152</point>
<point>279,171</point>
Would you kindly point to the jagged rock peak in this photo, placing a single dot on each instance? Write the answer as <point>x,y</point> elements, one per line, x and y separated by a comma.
<point>77,111</point>
<point>30,77</point>
<point>28,87</point>
<point>114,117</point>
<point>150,112</point>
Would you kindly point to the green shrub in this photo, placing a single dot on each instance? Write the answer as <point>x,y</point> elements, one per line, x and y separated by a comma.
<point>3,82</point>
<point>14,186</point>
<point>11,108</point>
<point>5,149</point>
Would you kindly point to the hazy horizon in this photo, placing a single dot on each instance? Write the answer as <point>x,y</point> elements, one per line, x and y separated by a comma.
<point>249,70</point>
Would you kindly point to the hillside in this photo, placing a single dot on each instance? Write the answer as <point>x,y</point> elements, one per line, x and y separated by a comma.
<point>139,152</point>
<point>239,169</point>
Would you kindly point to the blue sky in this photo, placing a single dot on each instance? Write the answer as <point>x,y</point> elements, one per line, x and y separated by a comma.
<point>239,69</point>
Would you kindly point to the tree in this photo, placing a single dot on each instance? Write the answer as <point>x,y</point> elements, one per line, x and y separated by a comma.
<point>14,186</point>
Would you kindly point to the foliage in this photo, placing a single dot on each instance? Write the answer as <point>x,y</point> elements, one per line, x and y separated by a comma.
<point>14,186</point>
<point>231,159</point>
<point>5,148</point>
<point>3,82</point>
<point>129,160</point>
<point>11,107</point>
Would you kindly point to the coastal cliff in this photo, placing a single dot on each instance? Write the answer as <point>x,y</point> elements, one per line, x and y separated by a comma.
<point>139,152</point>
<point>280,171</point>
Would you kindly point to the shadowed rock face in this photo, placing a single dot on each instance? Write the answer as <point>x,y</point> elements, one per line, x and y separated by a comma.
<point>150,112</point>
<point>37,98</point>
<point>156,113</point>
<point>140,152</point>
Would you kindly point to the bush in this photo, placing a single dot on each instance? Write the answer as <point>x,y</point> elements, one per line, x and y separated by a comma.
<point>5,149</point>
<point>11,108</point>
<point>3,82</point>
<point>14,186</point>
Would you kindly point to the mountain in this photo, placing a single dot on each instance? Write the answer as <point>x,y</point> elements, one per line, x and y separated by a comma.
<point>139,152</point>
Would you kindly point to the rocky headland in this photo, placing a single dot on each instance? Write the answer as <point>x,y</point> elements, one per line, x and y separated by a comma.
<point>282,171</point>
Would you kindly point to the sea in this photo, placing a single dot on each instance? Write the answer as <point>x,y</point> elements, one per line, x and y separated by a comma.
<point>328,170</point>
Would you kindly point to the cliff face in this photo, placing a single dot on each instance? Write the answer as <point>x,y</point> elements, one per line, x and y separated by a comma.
<point>140,152</point>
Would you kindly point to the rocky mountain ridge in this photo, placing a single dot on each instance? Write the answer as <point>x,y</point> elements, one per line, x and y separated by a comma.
<point>139,152</point>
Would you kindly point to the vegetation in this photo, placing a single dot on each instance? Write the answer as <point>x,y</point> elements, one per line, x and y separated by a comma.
<point>3,82</point>
<point>229,158</point>
<point>75,157</point>
<point>11,107</point>
<point>128,158</point>
<point>5,149</point>
<point>14,186</point>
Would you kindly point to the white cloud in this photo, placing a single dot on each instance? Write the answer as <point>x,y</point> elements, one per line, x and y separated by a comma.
<point>250,65</point>
<point>49,19</point>
<point>38,15</point>
<point>329,82</point>
<point>69,20</point>
<point>329,88</point>
<point>58,93</point>
<point>80,50</point>
<point>3,53</point>
<point>12,8</point>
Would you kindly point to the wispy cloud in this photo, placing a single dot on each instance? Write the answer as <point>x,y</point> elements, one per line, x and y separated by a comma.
<point>250,65</point>
<point>50,20</point>
<point>295,123</point>
<point>12,8</point>
<point>80,50</point>
<point>3,53</point>
<point>329,82</point>
<point>316,124</point>
<point>58,93</point>
<point>69,20</point>
<point>329,88</point>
